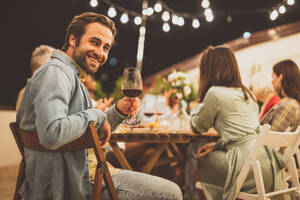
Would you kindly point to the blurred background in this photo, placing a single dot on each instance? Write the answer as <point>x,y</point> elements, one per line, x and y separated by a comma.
<point>27,24</point>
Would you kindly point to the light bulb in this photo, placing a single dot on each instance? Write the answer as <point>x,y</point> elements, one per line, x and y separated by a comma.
<point>137,20</point>
<point>165,16</point>
<point>291,2</point>
<point>180,21</point>
<point>166,27</point>
<point>175,19</point>
<point>196,23</point>
<point>274,15</point>
<point>94,3</point>
<point>207,12</point>
<point>112,12</point>
<point>246,35</point>
<point>282,9</point>
<point>124,18</point>
<point>209,18</point>
<point>205,3</point>
<point>149,11</point>
<point>157,7</point>
<point>144,12</point>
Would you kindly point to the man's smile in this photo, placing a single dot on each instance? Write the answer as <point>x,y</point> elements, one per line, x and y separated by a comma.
<point>94,60</point>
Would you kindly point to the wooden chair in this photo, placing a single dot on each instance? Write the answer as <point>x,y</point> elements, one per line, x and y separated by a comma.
<point>89,140</point>
<point>291,141</point>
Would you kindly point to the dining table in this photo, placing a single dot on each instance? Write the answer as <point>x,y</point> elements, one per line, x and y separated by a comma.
<point>163,139</point>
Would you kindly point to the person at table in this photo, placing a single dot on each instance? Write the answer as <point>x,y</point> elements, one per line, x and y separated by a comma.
<point>40,56</point>
<point>262,88</point>
<point>91,85</point>
<point>57,106</point>
<point>229,107</point>
<point>286,82</point>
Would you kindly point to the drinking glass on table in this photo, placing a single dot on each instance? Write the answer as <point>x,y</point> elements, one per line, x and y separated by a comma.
<point>148,110</point>
<point>132,86</point>
<point>155,110</point>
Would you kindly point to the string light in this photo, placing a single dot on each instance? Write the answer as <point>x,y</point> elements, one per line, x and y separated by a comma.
<point>290,2</point>
<point>158,7</point>
<point>207,12</point>
<point>205,3</point>
<point>124,18</point>
<point>149,11</point>
<point>179,18</point>
<point>282,9</point>
<point>112,12</point>
<point>246,35</point>
<point>208,15</point>
<point>166,27</point>
<point>94,3</point>
<point>175,20</point>
<point>138,20</point>
<point>273,15</point>
<point>144,12</point>
<point>180,21</point>
<point>196,23</point>
<point>165,16</point>
<point>209,18</point>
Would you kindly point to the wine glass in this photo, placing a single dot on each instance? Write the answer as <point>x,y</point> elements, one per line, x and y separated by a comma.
<point>155,110</point>
<point>148,105</point>
<point>132,86</point>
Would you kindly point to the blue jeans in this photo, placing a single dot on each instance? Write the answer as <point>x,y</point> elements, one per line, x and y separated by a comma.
<point>131,185</point>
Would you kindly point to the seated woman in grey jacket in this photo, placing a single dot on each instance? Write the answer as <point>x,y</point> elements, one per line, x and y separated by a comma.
<point>229,107</point>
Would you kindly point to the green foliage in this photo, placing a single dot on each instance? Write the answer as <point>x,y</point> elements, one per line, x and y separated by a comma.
<point>99,93</point>
<point>158,86</point>
<point>117,93</point>
<point>193,95</point>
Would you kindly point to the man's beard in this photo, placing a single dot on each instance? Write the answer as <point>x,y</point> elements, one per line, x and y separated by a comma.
<point>81,60</point>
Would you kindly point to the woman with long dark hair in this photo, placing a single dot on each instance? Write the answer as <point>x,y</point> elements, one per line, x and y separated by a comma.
<point>286,82</point>
<point>229,107</point>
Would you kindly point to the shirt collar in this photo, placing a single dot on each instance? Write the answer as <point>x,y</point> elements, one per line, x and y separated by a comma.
<point>68,60</point>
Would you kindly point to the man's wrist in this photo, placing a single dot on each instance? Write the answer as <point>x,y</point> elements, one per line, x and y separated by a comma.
<point>119,111</point>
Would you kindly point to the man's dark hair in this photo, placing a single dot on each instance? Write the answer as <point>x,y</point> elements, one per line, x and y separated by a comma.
<point>79,22</point>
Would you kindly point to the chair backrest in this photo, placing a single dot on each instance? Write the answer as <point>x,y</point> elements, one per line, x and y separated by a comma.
<point>290,140</point>
<point>31,140</point>
<point>88,140</point>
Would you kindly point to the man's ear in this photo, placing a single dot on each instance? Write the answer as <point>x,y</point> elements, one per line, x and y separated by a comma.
<point>72,40</point>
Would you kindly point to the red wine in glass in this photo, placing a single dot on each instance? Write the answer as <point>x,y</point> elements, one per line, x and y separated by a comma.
<point>132,92</point>
<point>132,86</point>
<point>158,113</point>
<point>148,114</point>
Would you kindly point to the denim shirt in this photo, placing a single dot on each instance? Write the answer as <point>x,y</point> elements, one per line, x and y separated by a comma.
<point>57,106</point>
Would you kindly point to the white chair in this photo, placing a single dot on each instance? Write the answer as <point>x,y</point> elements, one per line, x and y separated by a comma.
<point>291,141</point>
